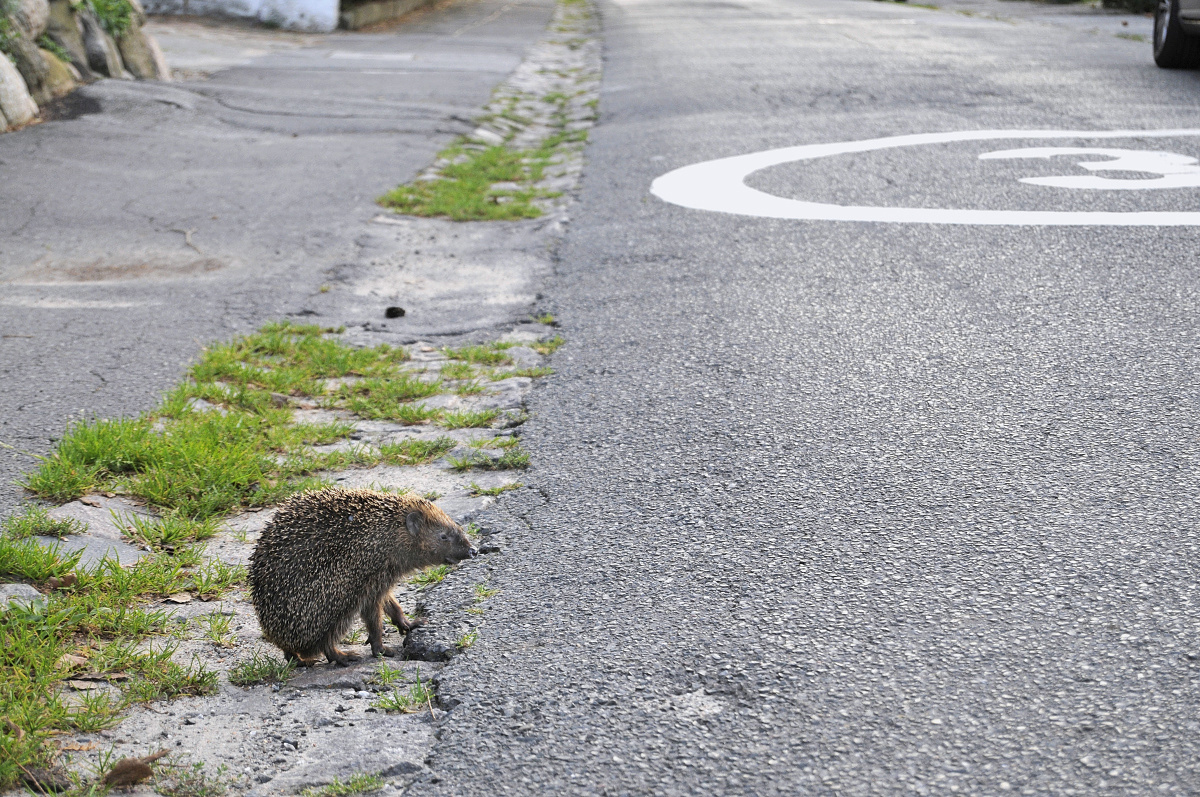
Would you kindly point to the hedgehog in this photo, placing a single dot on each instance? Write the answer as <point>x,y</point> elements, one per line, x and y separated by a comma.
<point>329,555</point>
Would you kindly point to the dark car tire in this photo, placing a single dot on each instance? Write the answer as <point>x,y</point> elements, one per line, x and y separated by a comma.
<point>1173,48</point>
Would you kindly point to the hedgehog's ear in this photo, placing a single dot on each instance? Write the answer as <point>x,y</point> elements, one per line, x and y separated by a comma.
<point>413,522</point>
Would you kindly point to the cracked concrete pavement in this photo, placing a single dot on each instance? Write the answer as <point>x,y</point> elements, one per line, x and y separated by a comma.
<point>148,219</point>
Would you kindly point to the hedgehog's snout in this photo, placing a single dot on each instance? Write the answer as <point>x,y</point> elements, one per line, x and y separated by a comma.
<point>473,553</point>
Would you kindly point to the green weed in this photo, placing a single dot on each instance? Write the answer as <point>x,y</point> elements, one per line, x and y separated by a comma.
<point>165,533</point>
<point>465,192</point>
<point>477,491</point>
<point>469,420</point>
<point>180,779</point>
<point>482,354</point>
<point>415,452</point>
<point>416,698</point>
<point>360,783</point>
<point>260,668</point>
<point>457,370</point>
<point>511,459</point>
<point>216,629</point>
<point>429,576</point>
<point>35,521</point>
<point>386,675</point>
<point>547,347</point>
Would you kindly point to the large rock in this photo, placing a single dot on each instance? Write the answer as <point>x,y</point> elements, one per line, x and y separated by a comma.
<point>102,55</point>
<point>32,16</point>
<point>16,106</point>
<point>161,67</point>
<point>32,66</point>
<point>63,30</point>
<point>139,12</point>
<point>136,53</point>
<point>60,81</point>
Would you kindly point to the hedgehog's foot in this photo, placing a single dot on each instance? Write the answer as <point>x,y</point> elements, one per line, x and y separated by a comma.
<point>396,614</point>
<point>387,652</point>
<point>340,658</point>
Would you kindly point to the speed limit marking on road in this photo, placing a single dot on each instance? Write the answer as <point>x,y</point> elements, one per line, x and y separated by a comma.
<point>719,185</point>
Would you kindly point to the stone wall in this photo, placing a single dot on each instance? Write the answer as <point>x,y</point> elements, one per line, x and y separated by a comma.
<point>49,47</point>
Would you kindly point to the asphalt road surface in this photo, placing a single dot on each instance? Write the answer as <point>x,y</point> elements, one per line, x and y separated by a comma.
<point>831,507</point>
<point>150,219</point>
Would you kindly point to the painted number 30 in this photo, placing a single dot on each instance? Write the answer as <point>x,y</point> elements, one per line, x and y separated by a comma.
<point>720,185</point>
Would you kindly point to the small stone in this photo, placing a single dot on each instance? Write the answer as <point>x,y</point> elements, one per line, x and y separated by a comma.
<point>363,694</point>
<point>394,312</point>
<point>263,777</point>
<point>486,136</point>
<point>21,595</point>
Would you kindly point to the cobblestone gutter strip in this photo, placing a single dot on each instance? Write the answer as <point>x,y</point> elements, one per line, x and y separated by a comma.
<point>526,156</point>
<point>221,696</point>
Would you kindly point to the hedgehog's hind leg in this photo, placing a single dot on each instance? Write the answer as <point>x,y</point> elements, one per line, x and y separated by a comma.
<point>372,617</point>
<point>298,660</point>
<point>396,614</point>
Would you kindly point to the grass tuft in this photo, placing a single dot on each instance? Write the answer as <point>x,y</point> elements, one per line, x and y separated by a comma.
<point>415,452</point>
<point>466,192</point>
<point>512,459</point>
<point>260,668</point>
<point>429,576</point>
<point>547,347</point>
<point>361,783</point>
<point>469,420</point>
<point>477,491</point>
<point>482,354</point>
<point>412,700</point>
<point>36,521</point>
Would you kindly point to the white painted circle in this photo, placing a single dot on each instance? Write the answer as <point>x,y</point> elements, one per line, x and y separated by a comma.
<point>719,185</point>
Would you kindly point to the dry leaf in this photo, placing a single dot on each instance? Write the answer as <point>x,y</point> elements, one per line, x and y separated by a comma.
<point>87,500</point>
<point>128,772</point>
<point>68,660</point>
<point>179,597</point>
<point>75,747</point>
<point>14,729</point>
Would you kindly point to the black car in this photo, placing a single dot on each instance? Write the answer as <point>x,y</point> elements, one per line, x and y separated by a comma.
<point>1177,34</point>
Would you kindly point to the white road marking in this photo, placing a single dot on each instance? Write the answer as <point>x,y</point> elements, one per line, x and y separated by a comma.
<point>719,185</point>
<point>50,303</point>
<point>1178,171</point>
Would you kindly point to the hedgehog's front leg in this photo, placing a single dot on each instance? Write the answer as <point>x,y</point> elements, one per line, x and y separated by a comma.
<point>339,657</point>
<point>372,617</point>
<point>396,614</point>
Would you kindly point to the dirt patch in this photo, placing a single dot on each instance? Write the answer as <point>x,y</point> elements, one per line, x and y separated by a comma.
<point>107,270</point>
